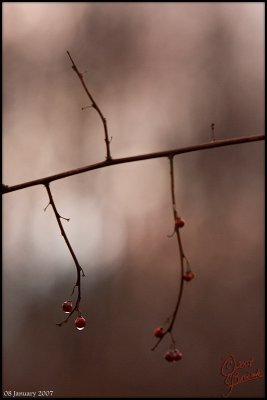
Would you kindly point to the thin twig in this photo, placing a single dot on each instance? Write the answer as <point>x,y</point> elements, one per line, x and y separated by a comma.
<point>94,105</point>
<point>47,206</point>
<point>78,267</point>
<point>182,258</point>
<point>125,160</point>
<point>180,246</point>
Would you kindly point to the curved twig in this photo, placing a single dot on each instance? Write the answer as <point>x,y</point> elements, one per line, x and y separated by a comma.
<point>78,267</point>
<point>182,258</point>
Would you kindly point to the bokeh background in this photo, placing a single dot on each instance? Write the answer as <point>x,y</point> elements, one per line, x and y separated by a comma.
<point>161,73</point>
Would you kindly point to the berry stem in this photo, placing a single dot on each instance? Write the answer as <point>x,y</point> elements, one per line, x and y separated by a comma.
<point>180,247</point>
<point>182,259</point>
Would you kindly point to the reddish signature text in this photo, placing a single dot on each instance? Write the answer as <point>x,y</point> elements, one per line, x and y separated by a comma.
<point>230,370</point>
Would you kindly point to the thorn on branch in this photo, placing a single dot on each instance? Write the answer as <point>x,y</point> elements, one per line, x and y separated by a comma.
<point>187,263</point>
<point>213,132</point>
<point>172,234</point>
<point>91,106</point>
<point>73,289</point>
<point>66,219</point>
<point>47,206</point>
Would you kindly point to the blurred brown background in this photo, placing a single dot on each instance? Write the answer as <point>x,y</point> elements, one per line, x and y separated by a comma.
<point>161,73</point>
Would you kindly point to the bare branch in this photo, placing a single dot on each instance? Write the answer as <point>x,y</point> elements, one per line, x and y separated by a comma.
<point>142,157</point>
<point>94,105</point>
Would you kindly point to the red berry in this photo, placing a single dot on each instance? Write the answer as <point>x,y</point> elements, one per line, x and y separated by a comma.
<point>67,306</point>
<point>80,323</point>
<point>158,332</point>
<point>177,355</point>
<point>169,356</point>
<point>179,223</point>
<point>188,276</point>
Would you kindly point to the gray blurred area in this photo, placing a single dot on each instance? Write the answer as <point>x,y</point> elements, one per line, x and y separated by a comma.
<point>161,73</point>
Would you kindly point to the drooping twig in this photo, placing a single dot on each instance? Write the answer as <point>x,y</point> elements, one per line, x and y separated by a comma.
<point>78,267</point>
<point>182,259</point>
<point>180,247</point>
<point>125,160</point>
<point>94,105</point>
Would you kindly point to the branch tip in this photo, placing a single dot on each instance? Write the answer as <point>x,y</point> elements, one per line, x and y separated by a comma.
<point>94,105</point>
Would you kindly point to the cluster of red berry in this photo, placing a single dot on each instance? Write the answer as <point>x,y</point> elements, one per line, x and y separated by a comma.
<point>79,321</point>
<point>172,354</point>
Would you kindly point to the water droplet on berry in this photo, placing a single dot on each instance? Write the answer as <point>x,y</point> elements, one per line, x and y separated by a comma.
<point>80,323</point>
<point>80,329</point>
